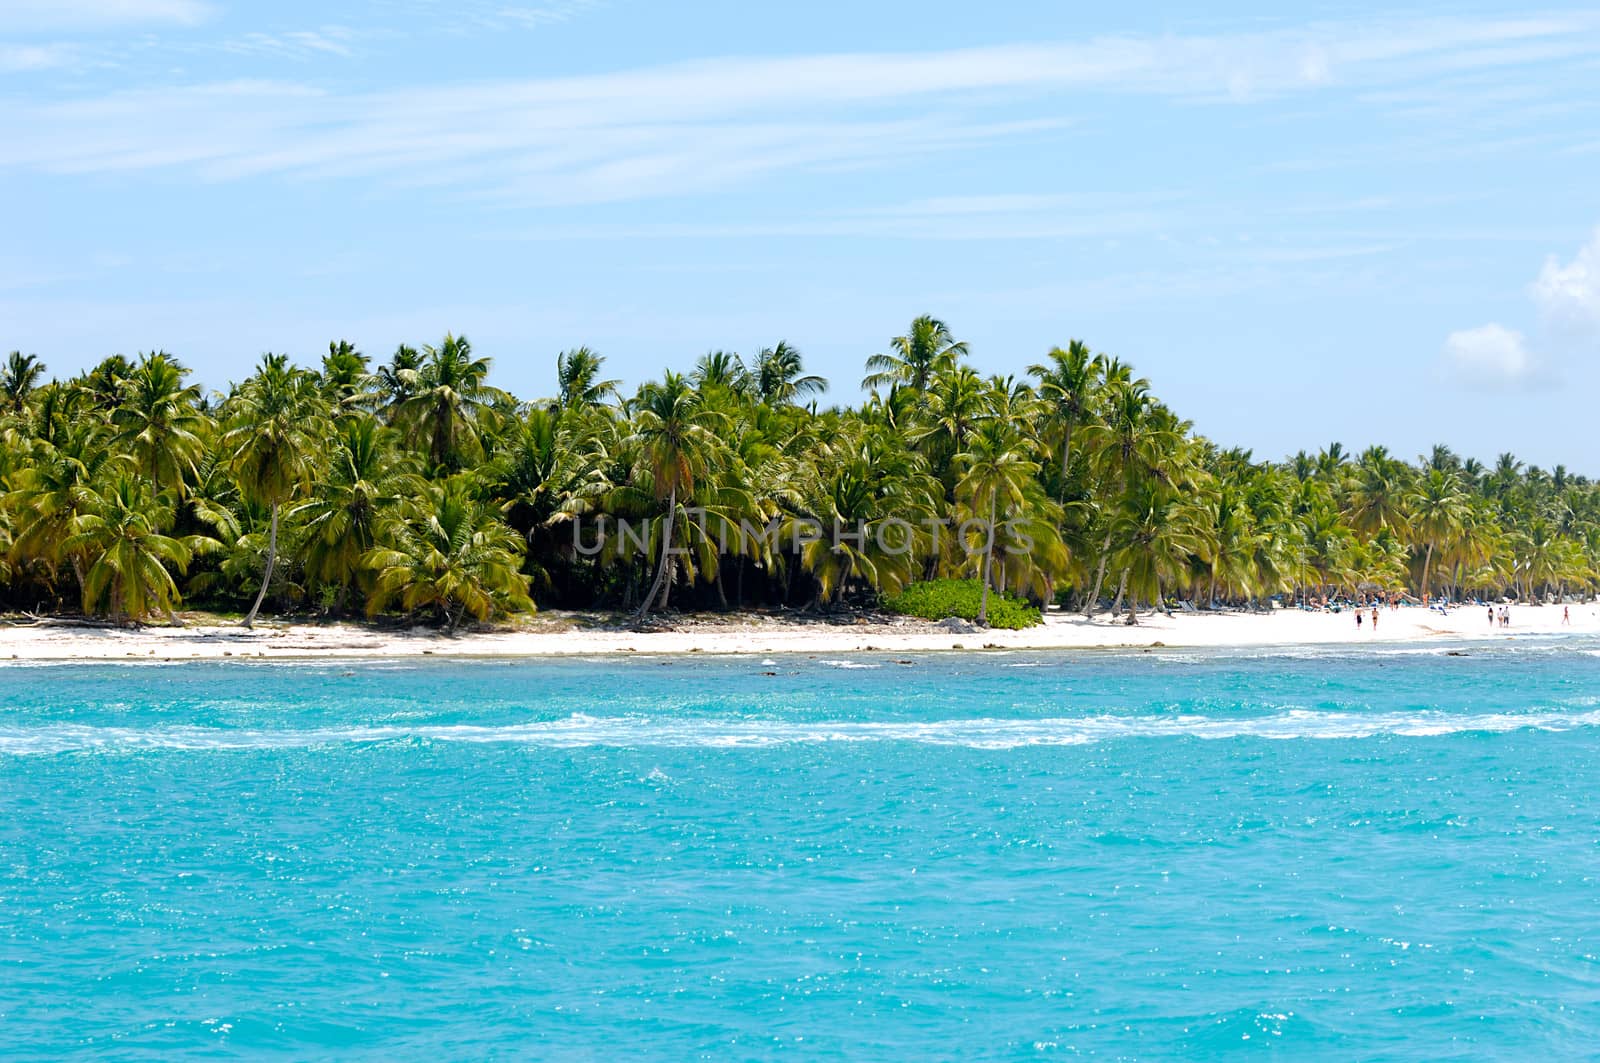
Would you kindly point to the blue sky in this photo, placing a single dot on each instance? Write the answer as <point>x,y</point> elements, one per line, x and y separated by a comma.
<point>1351,223</point>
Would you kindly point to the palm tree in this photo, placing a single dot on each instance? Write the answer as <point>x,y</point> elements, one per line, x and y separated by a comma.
<point>1066,384</point>
<point>1161,528</point>
<point>274,445</point>
<point>1378,493</point>
<point>128,575</point>
<point>102,386</point>
<point>721,370</point>
<point>449,552</point>
<point>995,473</point>
<point>346,379</point>
<point>578,375</point>
<point>365,477</point>
<point>675,433</point>
<point>396,379</point>
<point>1232,541</point>
<point>1133,440</point>
<point>17,381</point>
<point>448,396</point>
<point>53,495</point>
<point>866,500</point>
<point>1438,509</point>
<point>925,349</point>
<point>158,422</point>
<point>780,376</point>
<point>958,400</point>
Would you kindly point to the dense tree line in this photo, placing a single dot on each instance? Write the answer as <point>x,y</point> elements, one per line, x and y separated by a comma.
<point>414,487</point>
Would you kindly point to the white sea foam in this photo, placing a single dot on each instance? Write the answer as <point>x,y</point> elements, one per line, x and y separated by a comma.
<point>579,730</point>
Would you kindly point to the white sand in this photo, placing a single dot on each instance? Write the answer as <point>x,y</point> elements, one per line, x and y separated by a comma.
<point>543,636</point>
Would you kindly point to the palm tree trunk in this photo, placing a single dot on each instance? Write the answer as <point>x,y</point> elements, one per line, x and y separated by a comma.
<point>722,597</point>
<point>442,433</point>
<point>1099,578</point>
<point>77,571</point>
<point>266,577</point>
<point>988,564</point>
<point>1427,563</point>
<point>1066,459</point>
<point>666,556</point>
<point>1122,588</point>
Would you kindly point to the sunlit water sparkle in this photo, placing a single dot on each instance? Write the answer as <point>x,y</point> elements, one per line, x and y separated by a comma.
<point>977,856</point>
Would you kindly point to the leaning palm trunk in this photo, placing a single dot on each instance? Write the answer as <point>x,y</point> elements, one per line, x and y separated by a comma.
<point>1099,578</point>
<point>1427,563</point>
<point>1122,589</point>
<point>658,587</point>
<point>266,577</point>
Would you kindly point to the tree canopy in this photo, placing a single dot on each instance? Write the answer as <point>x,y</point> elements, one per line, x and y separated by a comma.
<point>416,489</point>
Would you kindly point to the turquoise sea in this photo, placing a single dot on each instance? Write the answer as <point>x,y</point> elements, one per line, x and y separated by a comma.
<point>1390,854</point>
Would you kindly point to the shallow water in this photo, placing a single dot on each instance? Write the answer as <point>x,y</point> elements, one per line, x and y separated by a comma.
<point>1006,855</point>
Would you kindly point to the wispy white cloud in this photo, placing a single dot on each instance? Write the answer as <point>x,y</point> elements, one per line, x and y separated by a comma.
<point>705,125</point>
<point>18,58</point>
<point>545,14</point>
<point>302,44</point>
<point>90,15</point>
<point>1568,293</point>
<point>1567,298</point>
<point>1489,355</point>
<point>470,17</point>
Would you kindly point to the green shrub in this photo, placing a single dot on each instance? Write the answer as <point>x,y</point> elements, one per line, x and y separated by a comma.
<point>941,598</point>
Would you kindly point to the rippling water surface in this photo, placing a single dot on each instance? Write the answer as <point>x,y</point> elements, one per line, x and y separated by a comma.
<point>980,856</point>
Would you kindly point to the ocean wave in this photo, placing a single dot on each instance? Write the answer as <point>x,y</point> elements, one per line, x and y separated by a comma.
<point>578,731</point>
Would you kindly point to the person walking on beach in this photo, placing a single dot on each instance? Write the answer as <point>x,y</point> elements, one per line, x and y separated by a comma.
<point>1566,614</point>
<point>1491,616</point>
<point>1374,619</point>
<point>1359,615</point>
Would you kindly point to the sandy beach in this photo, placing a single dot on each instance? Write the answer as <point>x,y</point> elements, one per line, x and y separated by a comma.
<point>564,635</point>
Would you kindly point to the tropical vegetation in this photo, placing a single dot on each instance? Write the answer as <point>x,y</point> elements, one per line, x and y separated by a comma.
<point>964,599</point>
<point>415,489</point>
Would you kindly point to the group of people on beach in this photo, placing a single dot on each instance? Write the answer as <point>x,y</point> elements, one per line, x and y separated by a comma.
<point>1360,616</point>
<point>1500,617</point>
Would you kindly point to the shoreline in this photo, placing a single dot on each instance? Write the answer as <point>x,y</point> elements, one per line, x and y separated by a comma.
<point>754,634</point>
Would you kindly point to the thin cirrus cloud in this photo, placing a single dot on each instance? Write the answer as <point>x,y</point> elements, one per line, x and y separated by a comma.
<point>27,16</point>
<point>703,125</point>
<point>16,58</point>
<point>305,44</point>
